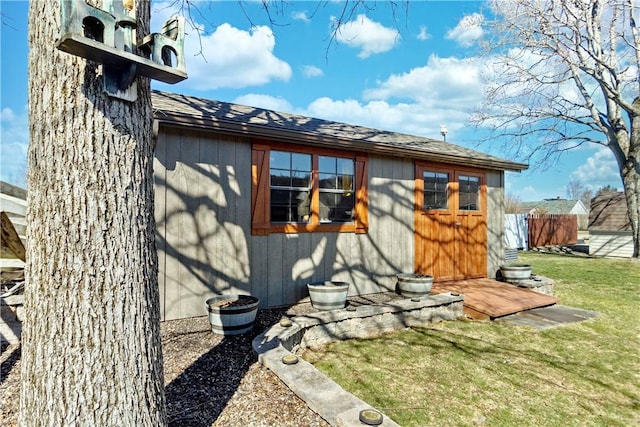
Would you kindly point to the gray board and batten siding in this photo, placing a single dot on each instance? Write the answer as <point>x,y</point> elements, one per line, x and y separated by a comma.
<point>202,173</point>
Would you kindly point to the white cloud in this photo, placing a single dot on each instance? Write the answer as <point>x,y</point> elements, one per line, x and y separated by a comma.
<point>444,91</point>
<point>301,16</point>
<point>311,71</point>
<point>267,102</point>
<point>7,115</point>
<point>529,193</point>
<point>229,57</point>
<point>598,170</point>
<point>424,34</point>
<point>14,138</point>
<point>414,119</point>
<point>368,36</point>
<point>468,30</point>
<point>234,58</point>
<point>442,82</point>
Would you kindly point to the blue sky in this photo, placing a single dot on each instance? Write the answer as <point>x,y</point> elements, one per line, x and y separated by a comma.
<point>412,74</point>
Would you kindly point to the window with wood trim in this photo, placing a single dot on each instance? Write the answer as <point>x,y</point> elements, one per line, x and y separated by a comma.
<point>298,189</point>
<point>469,193</point>
<point>335,187</point>
<point>290,186</point>
<point>436,190</point>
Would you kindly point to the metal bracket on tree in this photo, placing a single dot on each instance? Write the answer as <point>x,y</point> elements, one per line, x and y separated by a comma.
<point>108,36</point>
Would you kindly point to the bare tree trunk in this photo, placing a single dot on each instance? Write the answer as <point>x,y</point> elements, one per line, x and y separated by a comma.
<point>630,173</point>
<point>91,341</point>
<point>632,195</point>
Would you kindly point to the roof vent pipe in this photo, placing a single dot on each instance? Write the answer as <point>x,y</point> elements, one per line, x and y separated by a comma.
<point>443,132</point>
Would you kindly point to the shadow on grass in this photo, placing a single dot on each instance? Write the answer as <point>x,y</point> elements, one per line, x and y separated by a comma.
<point>565,362</point>
<point>548,361</point>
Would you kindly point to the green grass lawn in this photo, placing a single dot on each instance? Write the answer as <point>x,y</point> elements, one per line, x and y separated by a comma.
<point>496,374</point>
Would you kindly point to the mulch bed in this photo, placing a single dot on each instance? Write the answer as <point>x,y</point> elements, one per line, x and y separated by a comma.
<point>210,380</point>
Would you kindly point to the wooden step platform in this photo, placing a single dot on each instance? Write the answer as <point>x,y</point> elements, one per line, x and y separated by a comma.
<point>490,299</point>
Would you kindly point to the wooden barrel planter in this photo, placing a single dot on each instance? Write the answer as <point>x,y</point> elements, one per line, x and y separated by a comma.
<point>515,273</point>
<point>328,295</point>
<point>414,285</point>
<point>232,314</point>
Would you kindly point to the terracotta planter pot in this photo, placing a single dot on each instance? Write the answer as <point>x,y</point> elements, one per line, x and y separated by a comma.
<point>414,285</point>
<point>328,295</point>
<point>232,314</point>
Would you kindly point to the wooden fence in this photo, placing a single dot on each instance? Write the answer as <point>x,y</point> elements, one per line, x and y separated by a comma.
<point>547,230</point>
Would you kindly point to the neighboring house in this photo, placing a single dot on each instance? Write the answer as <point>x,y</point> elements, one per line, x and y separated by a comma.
<point>558,206</point>
<point>609,226</point>
<point>256,201</point>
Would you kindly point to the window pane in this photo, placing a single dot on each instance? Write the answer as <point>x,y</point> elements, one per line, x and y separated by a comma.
<point>336,178</point>
<point>303,206</point>
<point>345,182</point>
<point>474,185</point>
<point>429,181</point>
<point>336,207</point>
<point>327,164</point>
<point>430,200</point>
<point>290,169</point>
<point>279,160</point>
<point>301,162</point>
<point>290,206</point>
<point>280,211</point>
<point>280,178</point>
<point>300,179</point>
<point>327,180</point>
<point>469,193</point>
<point>436,191</point>
<point>290,183</point>
<point>345,166</point>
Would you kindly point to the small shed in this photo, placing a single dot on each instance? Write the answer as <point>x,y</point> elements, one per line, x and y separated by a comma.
<point>262,202</point>
<point>13,205</point>
<point>609,226</point>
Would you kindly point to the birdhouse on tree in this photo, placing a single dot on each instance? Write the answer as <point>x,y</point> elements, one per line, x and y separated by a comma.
<point>108,35</point>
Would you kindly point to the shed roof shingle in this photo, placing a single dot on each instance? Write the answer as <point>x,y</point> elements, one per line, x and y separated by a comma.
<point>180,110</point>
<point>609,213</point>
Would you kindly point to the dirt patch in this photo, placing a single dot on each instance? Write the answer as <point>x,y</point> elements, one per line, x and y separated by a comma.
<point>210,380</point>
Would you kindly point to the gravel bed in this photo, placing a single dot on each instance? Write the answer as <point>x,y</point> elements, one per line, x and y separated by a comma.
<point>210,380</point>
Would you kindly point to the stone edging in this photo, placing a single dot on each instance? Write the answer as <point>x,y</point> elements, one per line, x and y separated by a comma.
<point>323,395</point>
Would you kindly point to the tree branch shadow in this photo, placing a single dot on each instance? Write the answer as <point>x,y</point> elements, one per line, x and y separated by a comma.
<point>198,395</point>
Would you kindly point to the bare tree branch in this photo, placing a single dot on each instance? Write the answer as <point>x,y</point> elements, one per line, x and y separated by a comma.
<point>565,73</point>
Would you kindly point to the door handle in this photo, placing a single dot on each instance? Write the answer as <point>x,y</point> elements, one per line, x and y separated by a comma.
<point>457,224</point>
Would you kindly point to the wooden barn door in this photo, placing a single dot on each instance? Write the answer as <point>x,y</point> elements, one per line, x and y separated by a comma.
<point>450,221</point>
<point>471,225</point>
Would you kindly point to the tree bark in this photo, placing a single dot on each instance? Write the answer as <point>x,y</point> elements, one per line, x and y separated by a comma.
<point>630,173</point>
<point>631,182</point>
<point>91,350</point>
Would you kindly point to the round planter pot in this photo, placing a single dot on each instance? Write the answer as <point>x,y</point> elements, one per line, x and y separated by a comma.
<point>232,314</point>
<point>515,272</point>
<point>414,285</point>
<point>328,295</point>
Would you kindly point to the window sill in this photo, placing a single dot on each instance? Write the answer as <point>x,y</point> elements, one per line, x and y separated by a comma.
<point>306,228</point>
